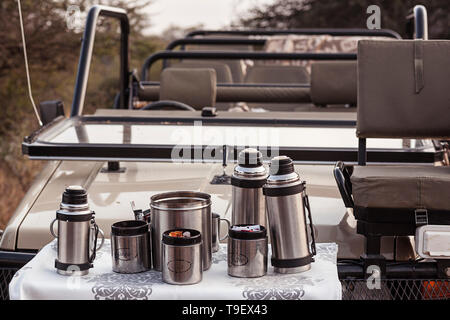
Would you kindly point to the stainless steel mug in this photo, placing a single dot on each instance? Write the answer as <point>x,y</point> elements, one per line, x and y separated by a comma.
<point>77,233</point>
<point>130,246</point>
<point>248,178</point>
<point>185,210</point>
<point>216,219</point>
<point>286,201</point>
<point>247,253</point>
<point>182,257</point>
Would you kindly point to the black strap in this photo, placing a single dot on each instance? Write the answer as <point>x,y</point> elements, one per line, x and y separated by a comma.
<point>397,215</point>
<point>94,252</point>
<point>72,266</point>
<point>292,263</point>
<point>311,225</point>
<point>418,65</point>
<point>284,191</point>
<point>247,183</point>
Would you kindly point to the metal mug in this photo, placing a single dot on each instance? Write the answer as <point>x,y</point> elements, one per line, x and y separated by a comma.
<point>130,246</point>
<point>216,219</point>
<point>247,253</point>
<point>182,257</point>
<point>183,210</point>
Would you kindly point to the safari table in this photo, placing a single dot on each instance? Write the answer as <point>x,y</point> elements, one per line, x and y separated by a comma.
<point>38,280</point>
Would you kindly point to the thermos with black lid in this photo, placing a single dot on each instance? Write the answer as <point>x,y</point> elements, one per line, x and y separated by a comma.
<point>286,201</point>
<point>247,251</point>
<point>248,178</point>
<point>182,256</point>
<point>77,233</point>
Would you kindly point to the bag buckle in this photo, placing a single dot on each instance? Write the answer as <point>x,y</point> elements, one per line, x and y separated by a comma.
<point>421,216</point>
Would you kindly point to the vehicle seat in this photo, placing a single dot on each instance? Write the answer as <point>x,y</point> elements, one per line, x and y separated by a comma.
<point>273,74</point>
<point>334,83</point>
<point>223,72</point>
<point>277,74</point>
<point>195,87</point>
<point>402,93</point>
<point>404,189</point>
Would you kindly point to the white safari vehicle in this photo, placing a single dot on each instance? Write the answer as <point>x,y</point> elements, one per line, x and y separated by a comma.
<point>365,123</point>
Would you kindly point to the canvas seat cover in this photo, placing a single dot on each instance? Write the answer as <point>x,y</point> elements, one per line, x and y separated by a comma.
<point>195,87</point>
<point>402,187</point>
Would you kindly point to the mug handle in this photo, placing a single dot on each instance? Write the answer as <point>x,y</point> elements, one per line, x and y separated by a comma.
<point>103,239</point>
<point>229,225</point>
<point>51,229</point>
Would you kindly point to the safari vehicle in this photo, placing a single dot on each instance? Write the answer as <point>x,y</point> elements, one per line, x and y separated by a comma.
<point>139,148</point>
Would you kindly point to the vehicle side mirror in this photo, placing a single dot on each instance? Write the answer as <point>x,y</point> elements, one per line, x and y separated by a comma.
<point>50,110</point>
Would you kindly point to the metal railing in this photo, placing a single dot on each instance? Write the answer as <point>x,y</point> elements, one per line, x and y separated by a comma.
<point>86,55</point>
<point>238,55</point>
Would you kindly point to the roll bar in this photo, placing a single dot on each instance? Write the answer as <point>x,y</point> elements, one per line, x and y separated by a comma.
<point>420,17</point>
<point>302,31</point>
<point>86,55</point>
<point>215,41</point>
<point>238,55</point>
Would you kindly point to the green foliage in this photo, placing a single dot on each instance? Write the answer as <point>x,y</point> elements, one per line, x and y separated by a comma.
<point>286,14</point>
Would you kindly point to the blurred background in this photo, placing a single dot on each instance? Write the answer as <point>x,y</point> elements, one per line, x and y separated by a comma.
<point>53,47</point>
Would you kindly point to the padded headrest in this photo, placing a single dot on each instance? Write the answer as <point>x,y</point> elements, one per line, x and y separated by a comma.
<point>276,74</point>
<point>403,89</point>
<point>195,87</point>
<point>333,82</point>
<point>223,72</point>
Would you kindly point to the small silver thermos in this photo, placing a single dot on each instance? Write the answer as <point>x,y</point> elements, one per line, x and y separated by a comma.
<point>247,252</point>
<point>247,181</point>
<point>182,256</point>
<point>77,233</point>
<point>286,201</point>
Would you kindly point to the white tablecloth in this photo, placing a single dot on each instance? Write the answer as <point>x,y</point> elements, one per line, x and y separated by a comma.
<point>38,280</point>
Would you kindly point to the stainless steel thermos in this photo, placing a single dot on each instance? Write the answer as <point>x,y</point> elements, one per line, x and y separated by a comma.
<point>181,209</point>
<point>130,246</point>
<point>286,201</point>
<point>247,252</point>
<point>247,181</point>
<point>77,233</point>
<point>181,256</point>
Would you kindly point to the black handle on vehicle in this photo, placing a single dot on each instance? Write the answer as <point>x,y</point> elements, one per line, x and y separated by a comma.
<point>86,55</point>
<point>342,177</point>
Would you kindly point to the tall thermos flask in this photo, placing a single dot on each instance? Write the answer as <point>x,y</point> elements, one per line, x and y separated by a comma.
<point>248,178</point>
<point>77,233</point>
<point>286,201</point>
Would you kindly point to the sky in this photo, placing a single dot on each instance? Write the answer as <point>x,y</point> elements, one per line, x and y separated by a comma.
<point>213,14</point>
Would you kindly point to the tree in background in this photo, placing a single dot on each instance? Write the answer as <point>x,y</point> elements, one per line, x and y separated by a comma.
<point>53,52</point>
<point>285,14</point>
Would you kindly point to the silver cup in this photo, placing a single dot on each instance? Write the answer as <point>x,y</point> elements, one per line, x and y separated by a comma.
<point>130,246</point>
<point>182,258</point>
<point>247,253</point>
